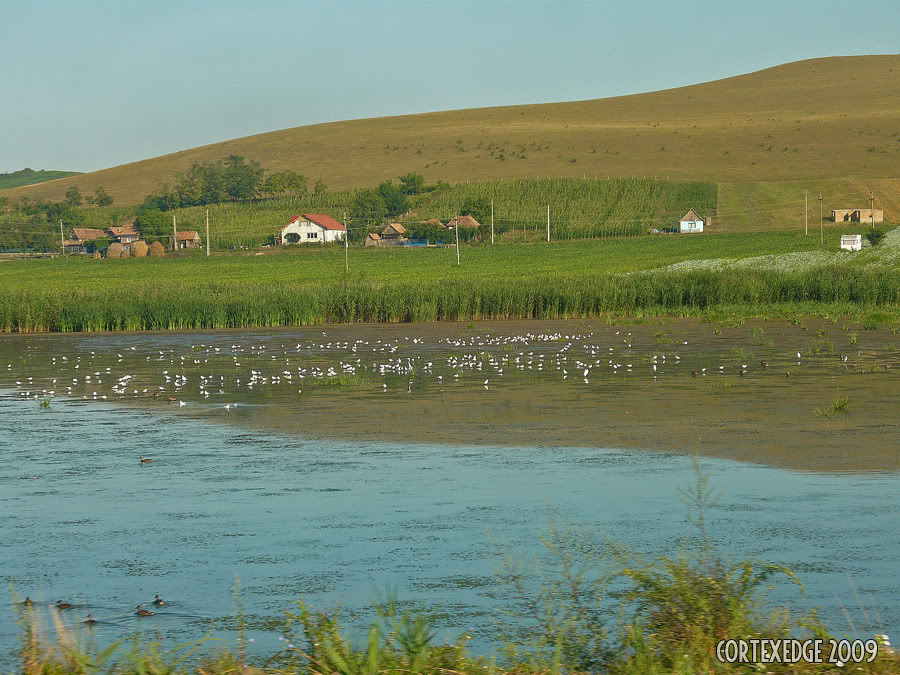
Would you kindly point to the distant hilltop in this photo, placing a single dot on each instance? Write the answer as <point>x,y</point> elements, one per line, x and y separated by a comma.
<point>24,177</point>
<point>824,118</point>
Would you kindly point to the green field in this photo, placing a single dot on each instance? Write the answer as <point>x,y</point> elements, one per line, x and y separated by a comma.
<point>557,280</point>
<point>15,179</point>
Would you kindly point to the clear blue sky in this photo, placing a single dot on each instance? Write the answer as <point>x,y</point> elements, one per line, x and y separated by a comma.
<point>91,84</point>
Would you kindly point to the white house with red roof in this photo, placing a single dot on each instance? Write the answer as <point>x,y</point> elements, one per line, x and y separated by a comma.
<point>312,228</point>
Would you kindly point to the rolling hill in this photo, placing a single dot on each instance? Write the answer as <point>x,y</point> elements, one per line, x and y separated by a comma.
<point>819,119</point>
<point>24,177</point>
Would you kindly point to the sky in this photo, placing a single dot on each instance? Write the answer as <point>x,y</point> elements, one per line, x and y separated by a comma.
<point>96,83</point>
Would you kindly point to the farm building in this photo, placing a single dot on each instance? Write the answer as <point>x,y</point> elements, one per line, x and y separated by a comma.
<point>125,235</point>
<point>393,233</point>
<point>374,239</point>
<point>690,222</point>
<point>188,239</point>
<point>80,236</point>
<point>857,215</point>
<point>851,242</point>
<point>464,221</point>
<point>311,228</point>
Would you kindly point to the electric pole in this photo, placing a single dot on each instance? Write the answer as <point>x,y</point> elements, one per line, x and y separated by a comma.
<point>872,207</point>
<point>821,214</point>
<point>492,222</point>
<point>174,234</point>
<point>207,232</point>
<point>346,246</point>
<point>457,239</point>
<point>62,239</point>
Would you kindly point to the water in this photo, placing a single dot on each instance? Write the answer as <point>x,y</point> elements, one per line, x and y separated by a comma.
<point>332,489</point>
<point>337,522</point>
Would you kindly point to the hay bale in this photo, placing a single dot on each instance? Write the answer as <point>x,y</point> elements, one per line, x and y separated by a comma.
<point>157,250</point>
<point>141,249</point>
<point>114,250</point>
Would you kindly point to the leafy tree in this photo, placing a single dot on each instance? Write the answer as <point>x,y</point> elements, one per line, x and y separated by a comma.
<point>152,222</point>
<point>412,183</point>
<point>319,189</point>
<point>394,198</point>
<point>240,177</point>
<point>101,198</point>
<point>162,200</point>
<point>368,207</point>
<point>94,245</point>
<point>479,207</point>
<point>73,196</point>
<point>281,182</point>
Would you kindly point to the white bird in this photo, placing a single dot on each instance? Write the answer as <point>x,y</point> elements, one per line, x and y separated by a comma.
<point>180,403</point>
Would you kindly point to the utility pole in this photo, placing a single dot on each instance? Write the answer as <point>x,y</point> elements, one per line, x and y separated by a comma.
<point>457,239</point>
<point>346,246</point>
<point>62,239</point>
<point>492,222</point>
<point>207,232</point>
<point>548,222</point>
<point>872,207</point>
<point>174,234</point>
<point>806,197</point>
<point>821,226</point>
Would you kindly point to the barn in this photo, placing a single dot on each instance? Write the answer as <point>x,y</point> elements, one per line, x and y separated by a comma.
<point>311,228</point>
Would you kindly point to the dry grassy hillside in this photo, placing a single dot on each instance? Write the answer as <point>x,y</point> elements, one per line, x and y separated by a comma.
<point>816,119</point>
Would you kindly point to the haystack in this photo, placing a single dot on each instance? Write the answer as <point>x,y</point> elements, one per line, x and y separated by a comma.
<point>157,250</point>
<point>114,250</point>
<point>141,249</point>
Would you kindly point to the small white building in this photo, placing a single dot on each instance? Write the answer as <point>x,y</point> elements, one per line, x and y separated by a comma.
<point>851,242</point>
<point>312,228</point>
<point>690,222</point>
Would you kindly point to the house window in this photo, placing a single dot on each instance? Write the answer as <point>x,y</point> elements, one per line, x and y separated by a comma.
<point>312,235</point>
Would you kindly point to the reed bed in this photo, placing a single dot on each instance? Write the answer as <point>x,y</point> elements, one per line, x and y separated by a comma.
<point>214,305</point>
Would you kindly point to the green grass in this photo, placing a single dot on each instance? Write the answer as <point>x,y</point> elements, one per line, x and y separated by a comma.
<point>24,177</point>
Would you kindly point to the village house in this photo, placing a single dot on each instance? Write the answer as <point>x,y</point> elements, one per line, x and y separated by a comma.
<point>311,228</point>
<point>374,239</point>
<point>691,222</point>
<point>464,222</point>
<point>393,234</point>
<point>857,215</point>
<point>187,239</point>
<point>80,237</point>
<point>126,235</point>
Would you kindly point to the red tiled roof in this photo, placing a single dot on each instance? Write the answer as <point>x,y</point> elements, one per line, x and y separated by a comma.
<point>123,230</point>
<point>187,235</point>
<point>322,220</point>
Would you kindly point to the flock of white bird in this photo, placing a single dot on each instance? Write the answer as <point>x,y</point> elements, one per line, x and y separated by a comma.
<point>207,371</point>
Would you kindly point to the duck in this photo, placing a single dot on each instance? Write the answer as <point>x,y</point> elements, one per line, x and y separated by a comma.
<point>693,373</point>
<point>159,602</point>
<point>764,364</point>
<point>63,605</point>
<point>27,601</point>
<point>90,621</point>
<point>143,612</point>
<point>144,460</point>
<point>171,399</point>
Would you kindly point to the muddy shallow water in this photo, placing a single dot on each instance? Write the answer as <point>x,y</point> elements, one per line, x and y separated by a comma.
<point>736,392</point>
<point>328,463</point>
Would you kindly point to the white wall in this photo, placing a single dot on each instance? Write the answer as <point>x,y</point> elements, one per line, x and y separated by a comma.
<point>310,233</point>
<point>691,226</point>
